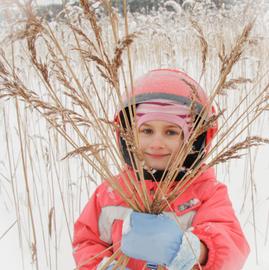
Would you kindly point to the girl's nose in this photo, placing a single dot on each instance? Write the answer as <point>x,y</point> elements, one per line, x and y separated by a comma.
<point>157,142</point>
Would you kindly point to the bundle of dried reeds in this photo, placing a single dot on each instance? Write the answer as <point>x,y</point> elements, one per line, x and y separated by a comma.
<point>75,105</point>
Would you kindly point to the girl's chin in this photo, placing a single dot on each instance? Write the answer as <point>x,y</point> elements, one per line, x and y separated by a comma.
<point>156,167</point>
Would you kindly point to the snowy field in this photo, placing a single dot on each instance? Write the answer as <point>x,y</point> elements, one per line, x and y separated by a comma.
<point>41,195</point>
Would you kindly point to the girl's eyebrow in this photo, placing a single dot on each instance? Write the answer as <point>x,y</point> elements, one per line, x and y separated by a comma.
<point>168,126</point>
<point>173,126</point>
<point>145,124</point>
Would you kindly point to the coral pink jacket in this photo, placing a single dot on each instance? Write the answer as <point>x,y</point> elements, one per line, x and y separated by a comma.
<point>204,207</point>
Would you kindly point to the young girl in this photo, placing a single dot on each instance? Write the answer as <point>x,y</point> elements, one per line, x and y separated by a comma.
<point>209,234</point>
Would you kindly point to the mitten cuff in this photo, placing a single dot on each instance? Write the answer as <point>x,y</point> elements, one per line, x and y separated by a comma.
<point>110,266</point>
<point>188,253</point>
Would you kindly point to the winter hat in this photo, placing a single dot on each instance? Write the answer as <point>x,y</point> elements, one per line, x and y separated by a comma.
<point>175,86</point>
<point>165,110</point>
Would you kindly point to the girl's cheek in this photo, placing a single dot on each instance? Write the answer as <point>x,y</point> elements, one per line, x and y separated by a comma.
<point>142,144</point>
<point>144,140</point>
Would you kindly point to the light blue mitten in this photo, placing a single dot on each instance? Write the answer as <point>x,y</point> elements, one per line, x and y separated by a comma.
<point>152,238</point>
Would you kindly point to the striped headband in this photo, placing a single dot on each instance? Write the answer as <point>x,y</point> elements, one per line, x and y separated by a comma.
<point>165,110</point>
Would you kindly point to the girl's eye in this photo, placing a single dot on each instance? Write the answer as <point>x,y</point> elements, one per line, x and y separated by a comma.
<point>172,132</point>
<point>146,131</point>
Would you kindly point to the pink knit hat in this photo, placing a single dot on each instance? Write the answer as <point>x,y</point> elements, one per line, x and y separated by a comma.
<point>165,110</point>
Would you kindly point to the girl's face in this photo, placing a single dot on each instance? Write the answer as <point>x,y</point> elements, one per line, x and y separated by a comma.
<point>159,142</point>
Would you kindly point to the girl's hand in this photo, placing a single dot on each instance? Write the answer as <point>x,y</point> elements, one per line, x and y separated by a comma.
<point>152,238</point>
<point>203,254</point>
<point>157,239</point>
<point>202,258</point>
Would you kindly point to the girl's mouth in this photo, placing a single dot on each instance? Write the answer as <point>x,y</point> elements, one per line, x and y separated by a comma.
<point>157,155</point>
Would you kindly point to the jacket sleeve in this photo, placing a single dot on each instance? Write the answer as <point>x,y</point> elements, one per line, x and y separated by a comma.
<point>216,225</point>
<point>89,249</point>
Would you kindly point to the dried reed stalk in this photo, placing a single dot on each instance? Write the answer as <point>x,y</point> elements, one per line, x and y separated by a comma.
<point>203,44</point>
<point>229,60</point>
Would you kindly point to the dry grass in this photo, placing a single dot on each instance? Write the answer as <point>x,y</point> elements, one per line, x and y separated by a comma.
<point>80,83</point>
<point>203,44</point>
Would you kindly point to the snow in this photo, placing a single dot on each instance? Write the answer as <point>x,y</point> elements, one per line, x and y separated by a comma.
<point>65,185</point>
